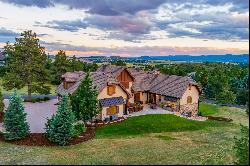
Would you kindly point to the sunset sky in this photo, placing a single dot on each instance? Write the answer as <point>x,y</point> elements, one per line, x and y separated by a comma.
<point>130,27</point>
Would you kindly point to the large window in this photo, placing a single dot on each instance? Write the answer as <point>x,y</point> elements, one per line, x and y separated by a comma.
<point>189,99</point>
<point>112,110</point>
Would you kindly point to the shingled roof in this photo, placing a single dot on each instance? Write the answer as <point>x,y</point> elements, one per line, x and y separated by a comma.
<point>100,81</point>
<point>113,70</point>
<point>167,85</point>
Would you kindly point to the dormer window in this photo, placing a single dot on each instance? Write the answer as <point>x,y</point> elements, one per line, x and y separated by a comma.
<point>111,90</point>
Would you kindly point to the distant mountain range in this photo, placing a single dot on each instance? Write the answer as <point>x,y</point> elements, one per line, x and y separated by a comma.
<point>243,58</point>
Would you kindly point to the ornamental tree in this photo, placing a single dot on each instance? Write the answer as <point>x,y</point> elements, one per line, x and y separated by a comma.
<point>15,122</point>
<point>59,129</point>
<point>26,65</point>
<point>84,100</point>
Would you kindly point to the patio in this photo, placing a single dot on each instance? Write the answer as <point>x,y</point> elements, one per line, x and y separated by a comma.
<point>147,110</point>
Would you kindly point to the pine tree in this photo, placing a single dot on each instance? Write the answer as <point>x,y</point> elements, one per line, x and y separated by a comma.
<point>59,129</point>
<point>15,121</point>
<point>26,65</point>
<point>60,66</point>
<point>84,100</point>
<point>1,101</point>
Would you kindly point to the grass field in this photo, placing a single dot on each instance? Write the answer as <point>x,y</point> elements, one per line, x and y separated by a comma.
<point>24,90</point>
<point>171,140</point>
<point>208,109</point>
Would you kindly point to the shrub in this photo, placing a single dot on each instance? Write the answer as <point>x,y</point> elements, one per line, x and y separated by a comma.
<point>46,98</point>
<point>15,122</point>
<point>79,128</point>
<point>59,129</point>
<point>242,147</point>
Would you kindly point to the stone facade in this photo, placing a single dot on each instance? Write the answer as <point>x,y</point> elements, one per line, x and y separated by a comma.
<point>193,108</point>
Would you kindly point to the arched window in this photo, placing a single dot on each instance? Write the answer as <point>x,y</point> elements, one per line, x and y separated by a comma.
<point>189,99</point>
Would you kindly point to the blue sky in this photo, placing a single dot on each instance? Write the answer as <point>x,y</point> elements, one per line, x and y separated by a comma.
<point>130,27</point>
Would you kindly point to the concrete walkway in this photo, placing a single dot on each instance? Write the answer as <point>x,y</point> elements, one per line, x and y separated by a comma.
<point>147,110</point>
<point>37,114</point>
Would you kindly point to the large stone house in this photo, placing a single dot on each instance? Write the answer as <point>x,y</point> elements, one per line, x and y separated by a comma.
<point>117,86</point>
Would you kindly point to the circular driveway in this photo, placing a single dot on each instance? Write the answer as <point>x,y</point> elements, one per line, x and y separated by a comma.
<point>38,113</point>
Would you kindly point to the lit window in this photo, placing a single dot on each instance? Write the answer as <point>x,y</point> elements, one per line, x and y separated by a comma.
<point>189,99</point>
<point>111,90</point>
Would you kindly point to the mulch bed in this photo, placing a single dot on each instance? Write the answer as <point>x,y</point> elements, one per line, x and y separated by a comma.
<point>39,139</point>
<point>219,118</point>
<point>1,117</point>
<point>101,123</point>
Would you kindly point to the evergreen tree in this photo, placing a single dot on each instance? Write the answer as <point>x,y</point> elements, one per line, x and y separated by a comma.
<point>26,65</point>
<point>242,147</point>
<point>15,122</point>
<point>1,101</point>
<point>84,100</point>
<point>59,129</point>
<point>60,66</point>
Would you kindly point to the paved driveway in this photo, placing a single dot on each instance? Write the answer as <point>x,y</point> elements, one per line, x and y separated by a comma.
<point>37,114</point>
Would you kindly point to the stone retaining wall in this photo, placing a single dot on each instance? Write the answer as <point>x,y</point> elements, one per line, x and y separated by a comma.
<point>193,108</point>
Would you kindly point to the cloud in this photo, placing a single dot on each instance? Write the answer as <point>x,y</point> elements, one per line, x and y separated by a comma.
<point>53,48</point>
<point>7,35</point>
<point>38,3</point>
<point>65,25</point>
<point>204,22</point>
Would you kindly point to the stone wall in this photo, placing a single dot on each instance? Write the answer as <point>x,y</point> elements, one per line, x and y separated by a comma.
<point>193,108</point>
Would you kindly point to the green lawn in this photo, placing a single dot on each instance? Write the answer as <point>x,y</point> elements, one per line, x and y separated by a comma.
<point>24,90</point>
<point>171,140</point>
<point>154,124</point>
<point>208,109</point>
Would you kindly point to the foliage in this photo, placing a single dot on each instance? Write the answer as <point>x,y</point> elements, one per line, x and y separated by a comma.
<point>1,101</point>
<point>34,100</point>
<point>75,64</point>
<point>84,100</point>
<point>59,129</point>
<point>242,147</point>
<point>15,121</point>
<point>62,65</point>
<point>79,128</point>
<point>118,63</point>
<point>59,67</point>
<point>26,65</point>
<point>89,67</point>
